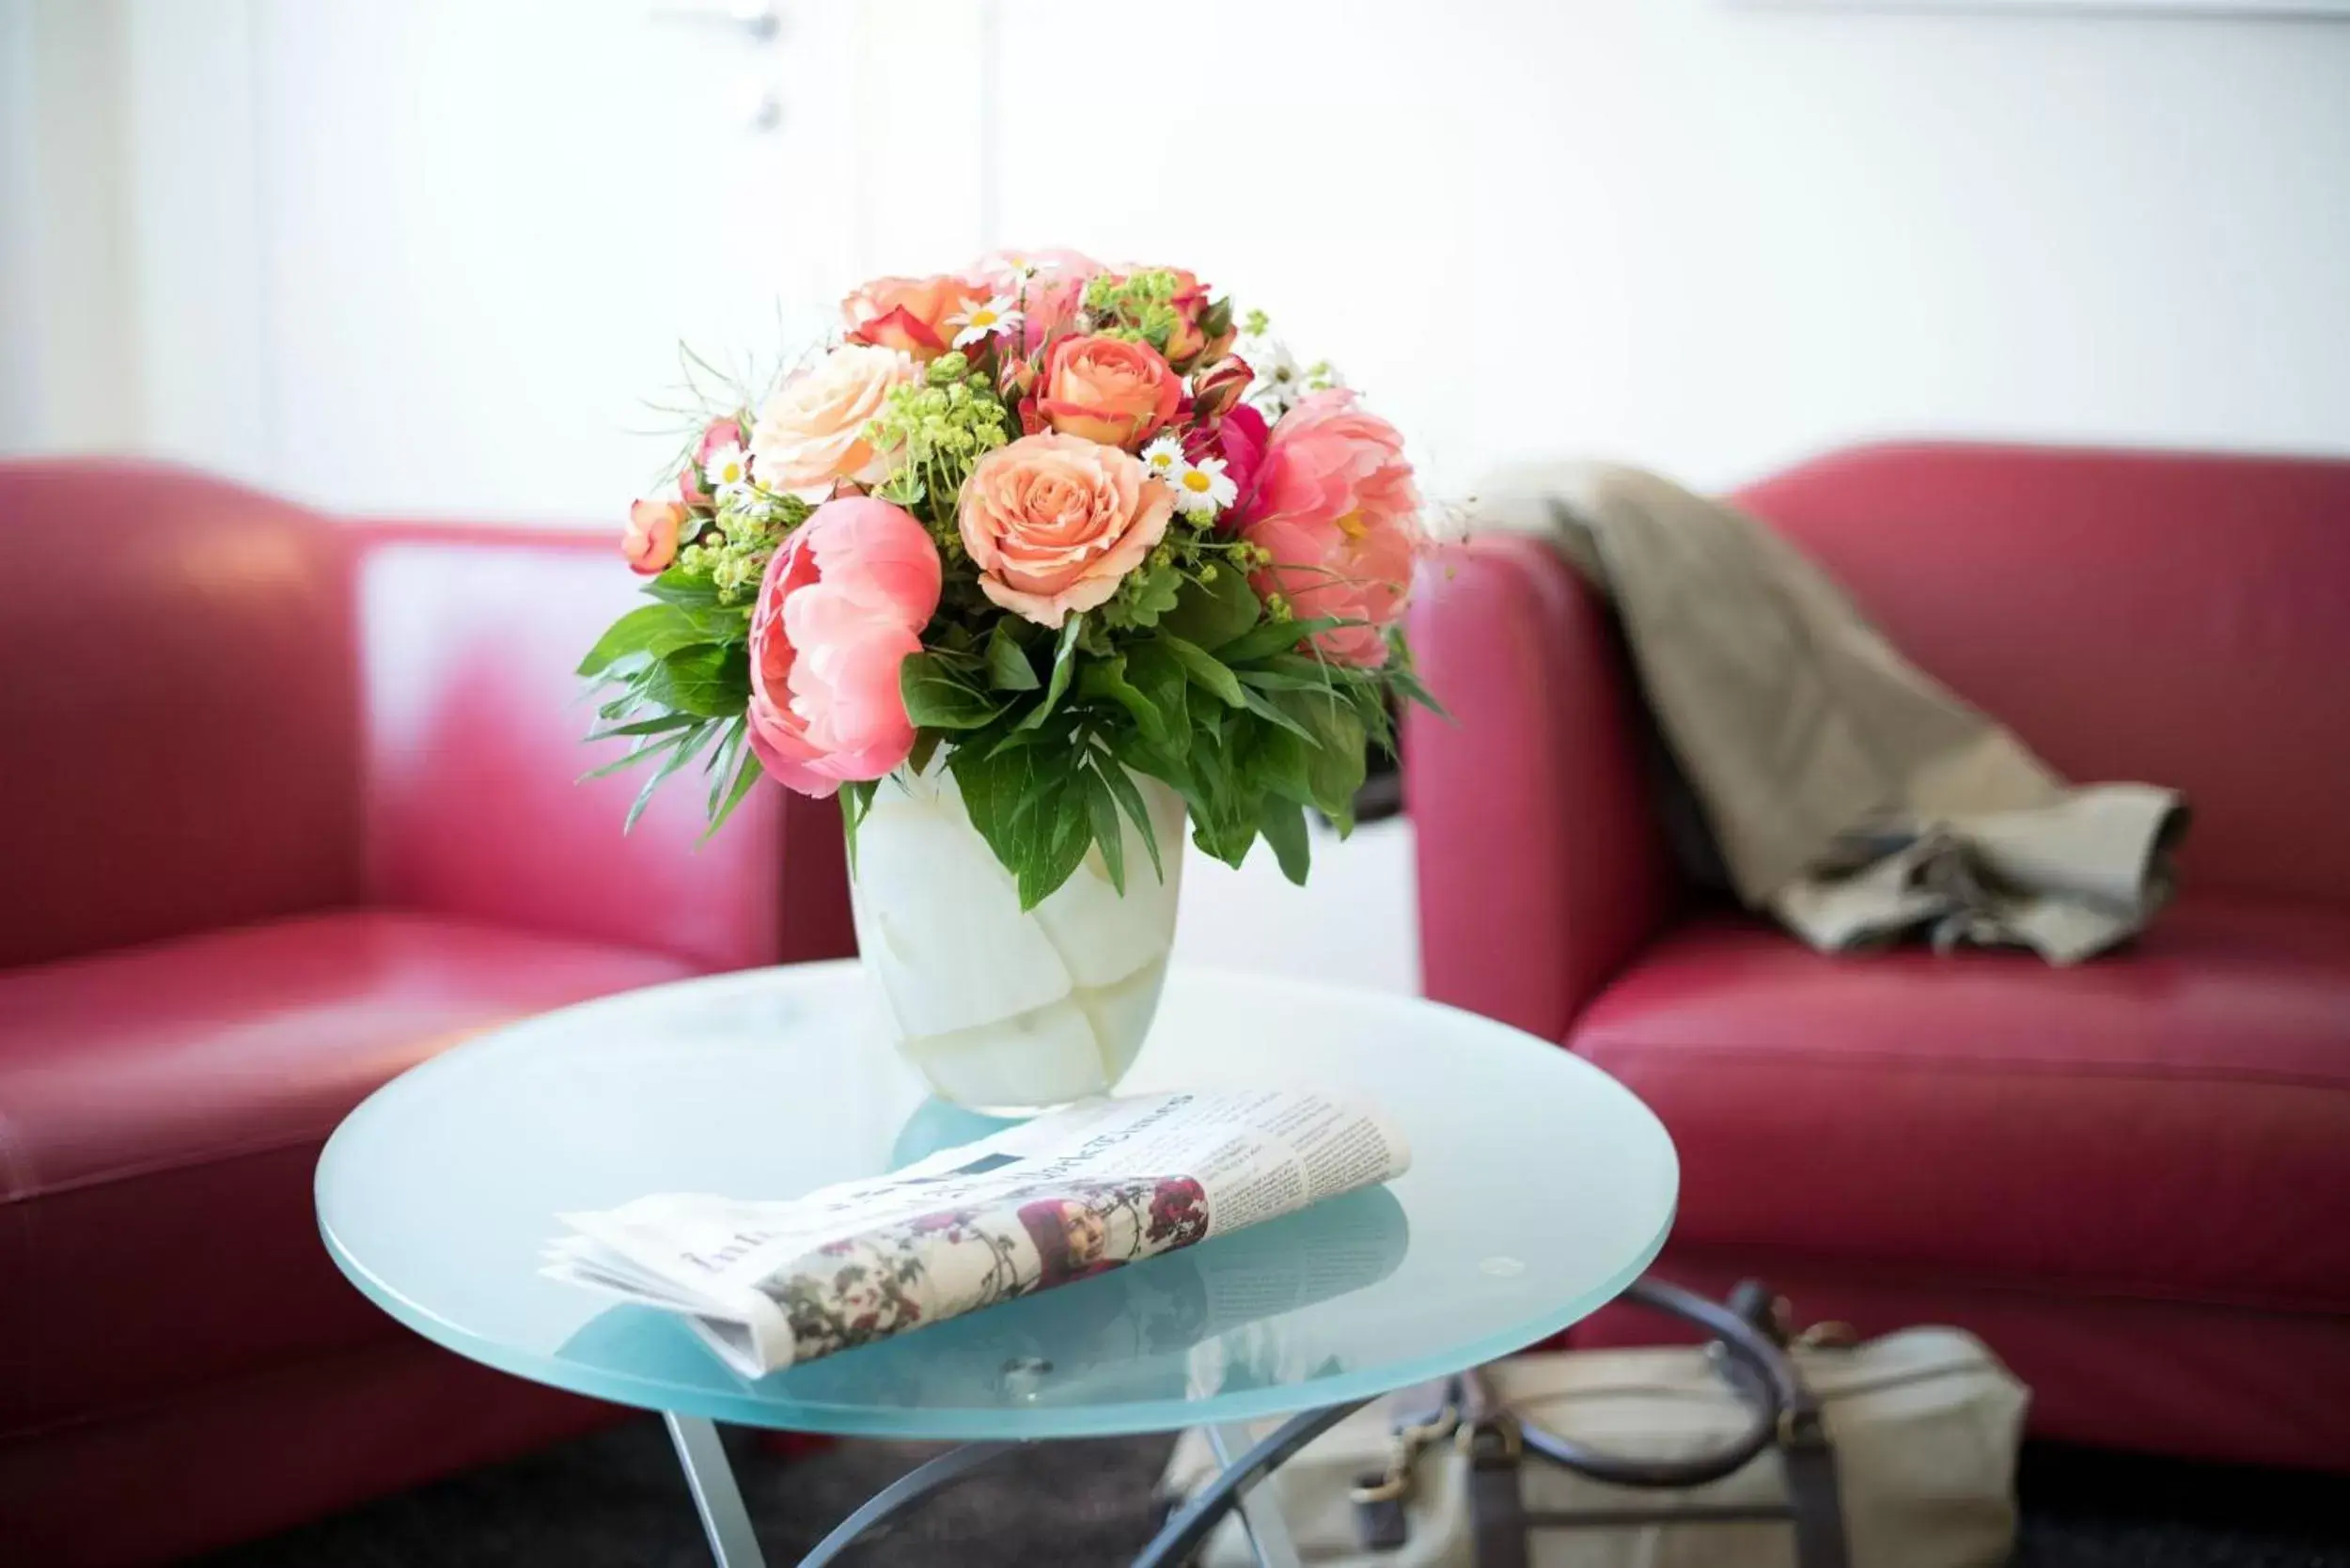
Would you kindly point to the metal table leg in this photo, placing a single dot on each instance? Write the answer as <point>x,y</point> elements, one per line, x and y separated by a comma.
<point>716,1497</point>
<point>1268,1532</point>
<point>916,1485</point>
<point>1182,1534</point>
<point>732,1544</point>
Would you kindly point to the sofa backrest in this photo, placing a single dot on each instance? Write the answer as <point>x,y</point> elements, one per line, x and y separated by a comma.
<point>177,746</point>
<point>2179,619</point>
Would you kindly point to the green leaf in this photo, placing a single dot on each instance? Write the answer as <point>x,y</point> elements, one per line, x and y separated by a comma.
<point>1283,825</point>
<point>1065,831</point>
<point>1264,707</point>
<point>703,679</point>
<point>1274,637</point>
<point>1064,665</point>
<point>637,754</point>
<point>1158,675</point>
<point>1210,615</point>
<point>936,698</point>
<point>1108,832</point>
<point>1120,785</point>
<point>676,587</point>
<point>1146,597</point>
<point>678,758</point>
<point>1333,769</point>
<point>649,629</point>
<point>925,744</point>
<point>1105,679</point>
<point>1205,670</point>
<point>1008,667</point>
<point>646,727</point>
<point>746,773</point>
<point>1029,805</point>
<point>1406,684</point>
<point>733,742</point>
<point>856,799</point>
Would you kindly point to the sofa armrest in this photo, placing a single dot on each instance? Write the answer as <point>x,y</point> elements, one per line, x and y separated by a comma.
<point>1543,867</point>
<point>471,760</point>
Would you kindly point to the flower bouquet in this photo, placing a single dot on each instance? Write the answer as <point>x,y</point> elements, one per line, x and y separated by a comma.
<point>1028,567</point>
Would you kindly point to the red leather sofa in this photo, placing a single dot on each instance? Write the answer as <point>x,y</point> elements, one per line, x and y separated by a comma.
<point>2132,1178</point>
<point>288,805</point>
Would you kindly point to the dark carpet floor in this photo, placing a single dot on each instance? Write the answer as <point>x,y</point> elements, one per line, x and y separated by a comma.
<point>616,1501</point>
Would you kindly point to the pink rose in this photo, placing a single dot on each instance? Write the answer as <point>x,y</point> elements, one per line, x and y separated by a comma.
<point>843,603</point>
<point>1053,523</point>
<point>719,434</point>
<point>810,434</point>
<point>649,539</point>
<point>1108,389</point>
<point>1337,510</point>
<point>909,314</point>
<point>1050,290</point>
<point>1239,438</point>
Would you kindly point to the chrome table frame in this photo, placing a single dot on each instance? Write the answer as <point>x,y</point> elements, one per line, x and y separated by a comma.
<point>733,1544</point>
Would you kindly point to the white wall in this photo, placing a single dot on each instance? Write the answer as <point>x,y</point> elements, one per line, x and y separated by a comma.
<point>69,363</point>
<point>1705,234</point>
<point>1713,236</point>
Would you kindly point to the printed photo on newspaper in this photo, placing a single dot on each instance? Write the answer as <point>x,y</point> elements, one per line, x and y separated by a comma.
<point>1069,1194</point>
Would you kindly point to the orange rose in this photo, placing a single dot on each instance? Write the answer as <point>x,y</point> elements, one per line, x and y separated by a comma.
<point>1055,522</point>
<point>1108,389</point>
<point>649,539</point>
<point>909,314</point>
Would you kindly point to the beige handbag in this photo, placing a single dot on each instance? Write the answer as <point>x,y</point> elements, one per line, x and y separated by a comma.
<point>1910,1464</point>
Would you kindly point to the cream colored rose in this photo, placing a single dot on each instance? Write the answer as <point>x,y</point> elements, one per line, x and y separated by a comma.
<point>1053,523</point>
<point>810,434</point>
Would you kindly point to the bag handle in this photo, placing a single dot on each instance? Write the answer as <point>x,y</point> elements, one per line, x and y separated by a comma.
<point>1760,1373</point>
<point>1749,1336</point>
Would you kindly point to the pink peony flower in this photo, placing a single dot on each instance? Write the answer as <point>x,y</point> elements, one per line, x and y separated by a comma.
<point>721,433</point>
<point>909,314</point>
<point>650,541</point>
<point>1108,389</point>
<point>843,603</point>
<point>1336,507</point>
<point>1053,523</point>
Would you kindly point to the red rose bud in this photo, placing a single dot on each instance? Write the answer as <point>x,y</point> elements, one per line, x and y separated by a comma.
<point>1016,377</point>
<point>1217,388</point>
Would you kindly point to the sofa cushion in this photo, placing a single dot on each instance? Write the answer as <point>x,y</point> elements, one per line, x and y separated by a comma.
<point>2170,1121</point>
<point>161,1108</point>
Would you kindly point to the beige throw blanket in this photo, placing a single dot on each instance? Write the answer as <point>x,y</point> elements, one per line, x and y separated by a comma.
<point>1849,794</point>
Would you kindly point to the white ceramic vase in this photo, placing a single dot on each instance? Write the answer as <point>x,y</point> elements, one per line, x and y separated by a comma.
<point>1005,1012</point>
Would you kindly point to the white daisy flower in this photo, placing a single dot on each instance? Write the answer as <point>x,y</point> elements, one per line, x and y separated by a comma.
<point>1163,458</point>
<point>1202,488</point>
<point>1000,314</point>
<point>728,471</point>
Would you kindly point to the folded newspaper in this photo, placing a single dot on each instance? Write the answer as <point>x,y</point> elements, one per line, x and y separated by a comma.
<point>1061,1198</point>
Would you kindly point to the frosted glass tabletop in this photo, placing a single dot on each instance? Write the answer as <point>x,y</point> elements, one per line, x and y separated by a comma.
<point>1538,1189</point>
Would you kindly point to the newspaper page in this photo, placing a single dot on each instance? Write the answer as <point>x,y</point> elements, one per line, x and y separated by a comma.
<point>1061,1198</point>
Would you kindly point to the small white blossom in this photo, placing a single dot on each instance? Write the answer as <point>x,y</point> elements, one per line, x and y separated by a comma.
<point>728,471</point>
<point>1202,488</point>
<point>1163,458</point>
<point>997,315</point>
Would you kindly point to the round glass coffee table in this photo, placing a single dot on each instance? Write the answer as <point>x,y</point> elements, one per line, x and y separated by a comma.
<point>1539,1190</point>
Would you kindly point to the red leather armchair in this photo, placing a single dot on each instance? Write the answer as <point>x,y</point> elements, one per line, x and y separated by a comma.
<point>2132,1178</point>
<point>289,804</point>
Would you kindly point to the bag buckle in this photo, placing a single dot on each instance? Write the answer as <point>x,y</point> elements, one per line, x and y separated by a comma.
<point>1493,1443</point>
<point>1404,1446</point>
